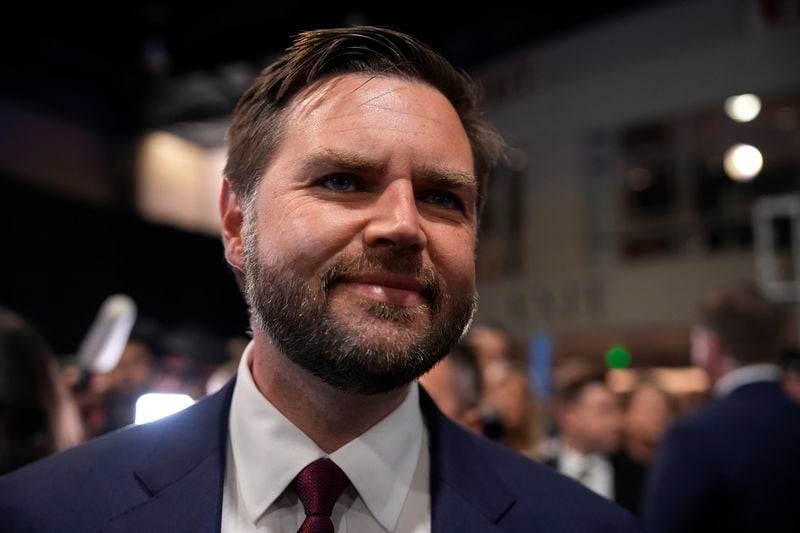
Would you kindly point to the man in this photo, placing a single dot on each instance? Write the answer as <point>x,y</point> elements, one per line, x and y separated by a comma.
<point>111,397</point>
<point>733,466</point>
<point>648,411</point>
<point>491,342</point>
<point>355,175</point>
<point>590,423</point>
<point>509,408</point>
<point>454,384</point>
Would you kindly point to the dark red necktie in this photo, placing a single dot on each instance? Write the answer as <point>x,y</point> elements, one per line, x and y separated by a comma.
<point>318,486</point>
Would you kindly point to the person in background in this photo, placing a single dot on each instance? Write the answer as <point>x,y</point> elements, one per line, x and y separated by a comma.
<point>508,400</point>
<point>733,465</point>
<point>590,422</point>
<point>234,347</point>
<point>356,172</point>
<point>648,411</point>
<point>455,385</point>
<point>37,414</point>
<point>191,354</point>
<point>491,342</point>
<point>134,375</point>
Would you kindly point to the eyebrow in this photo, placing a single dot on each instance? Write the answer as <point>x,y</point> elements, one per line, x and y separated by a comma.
<point>448,177</point>
<point>343,159</point>
<point>356,162</point>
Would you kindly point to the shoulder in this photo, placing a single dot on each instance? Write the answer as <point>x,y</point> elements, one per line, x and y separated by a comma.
<point>78,488</point>
<point>83,488</point>
<point>545,498</point>
<point>755,407</point>
<point>540,489</point>
<point>513,491</point>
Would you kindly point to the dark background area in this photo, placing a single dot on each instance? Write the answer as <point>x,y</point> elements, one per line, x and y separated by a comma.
<point>104,71</point>
<point>62,258</point>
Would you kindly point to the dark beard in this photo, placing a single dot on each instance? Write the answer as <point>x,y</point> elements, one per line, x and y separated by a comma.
<point>347,354</point>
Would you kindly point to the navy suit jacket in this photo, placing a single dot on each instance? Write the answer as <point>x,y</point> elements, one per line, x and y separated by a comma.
<point>168,476</point>
<point>734,466</point>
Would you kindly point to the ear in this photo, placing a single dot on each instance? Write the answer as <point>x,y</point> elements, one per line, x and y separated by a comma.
<point>710,354</point>
<point>715,346</point>
<point>232,218</point>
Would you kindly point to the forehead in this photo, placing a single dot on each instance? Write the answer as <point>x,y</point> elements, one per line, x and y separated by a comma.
<point>596,393</point>
<point>647,398</point>
<point>377,112</point>
<point>353,92</point>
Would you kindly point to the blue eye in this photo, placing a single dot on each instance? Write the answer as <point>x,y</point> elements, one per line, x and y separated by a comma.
<point>444,199</point>
<point>340,183</point>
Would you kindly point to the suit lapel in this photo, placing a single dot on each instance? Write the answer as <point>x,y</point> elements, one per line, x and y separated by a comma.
<point>184,473</point>
<point>466,493</point>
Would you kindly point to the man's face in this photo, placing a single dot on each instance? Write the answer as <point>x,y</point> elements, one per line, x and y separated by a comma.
<point>359,249</point>
<point>489,344</point>
<point>596,420</point>
<point>507,391</point>
<point>646,419</point>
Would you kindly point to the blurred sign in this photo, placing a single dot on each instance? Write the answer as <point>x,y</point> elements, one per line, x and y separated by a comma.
<point>770,274</point>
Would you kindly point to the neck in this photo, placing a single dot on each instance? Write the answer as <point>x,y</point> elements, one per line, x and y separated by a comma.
<point>328,416</point>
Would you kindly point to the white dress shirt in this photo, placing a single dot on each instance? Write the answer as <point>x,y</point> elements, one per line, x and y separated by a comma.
<point>388,467</point>
<point>593,471</point>
<point>745,375</point>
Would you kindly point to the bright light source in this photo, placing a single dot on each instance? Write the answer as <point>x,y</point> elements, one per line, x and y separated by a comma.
<point>742,162</point>
<point>743,107</point>
<point>153,406</point>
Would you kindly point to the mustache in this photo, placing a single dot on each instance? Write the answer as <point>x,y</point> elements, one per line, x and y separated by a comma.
<point>377,263</point>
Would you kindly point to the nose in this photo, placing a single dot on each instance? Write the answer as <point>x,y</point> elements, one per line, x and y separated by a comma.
<point>395,222</point>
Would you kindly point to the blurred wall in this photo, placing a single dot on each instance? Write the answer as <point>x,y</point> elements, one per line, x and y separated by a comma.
<point>562,102</point>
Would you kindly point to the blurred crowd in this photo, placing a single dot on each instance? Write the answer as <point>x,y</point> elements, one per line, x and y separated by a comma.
<point>588,430</point>
<point>49,403</point>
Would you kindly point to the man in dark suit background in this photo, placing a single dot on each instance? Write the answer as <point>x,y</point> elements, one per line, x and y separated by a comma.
<point>733,466</point>
<point>356,173</point>
<point>588,446</point>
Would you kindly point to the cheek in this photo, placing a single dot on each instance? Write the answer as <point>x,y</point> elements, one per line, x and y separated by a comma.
<point>454,256</point>
<point>305,238</point>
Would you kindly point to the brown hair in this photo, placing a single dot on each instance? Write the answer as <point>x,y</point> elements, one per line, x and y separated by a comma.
<point>750,327</point>
<point>32,402</point>
<point>258,120</point>
<point>571,393</point>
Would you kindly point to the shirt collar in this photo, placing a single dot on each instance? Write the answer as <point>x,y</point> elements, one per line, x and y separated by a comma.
<point>573,462</point>
<point>269,451</point>
<point>381,462</point>
<point>745,375</point>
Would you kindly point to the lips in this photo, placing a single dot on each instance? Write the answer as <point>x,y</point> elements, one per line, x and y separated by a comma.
<point>387,288</point>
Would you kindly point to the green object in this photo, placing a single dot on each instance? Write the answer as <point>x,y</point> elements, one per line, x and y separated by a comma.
<point>618,357</point>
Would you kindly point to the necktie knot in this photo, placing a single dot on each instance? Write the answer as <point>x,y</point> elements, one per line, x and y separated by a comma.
<point>318,486</point>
